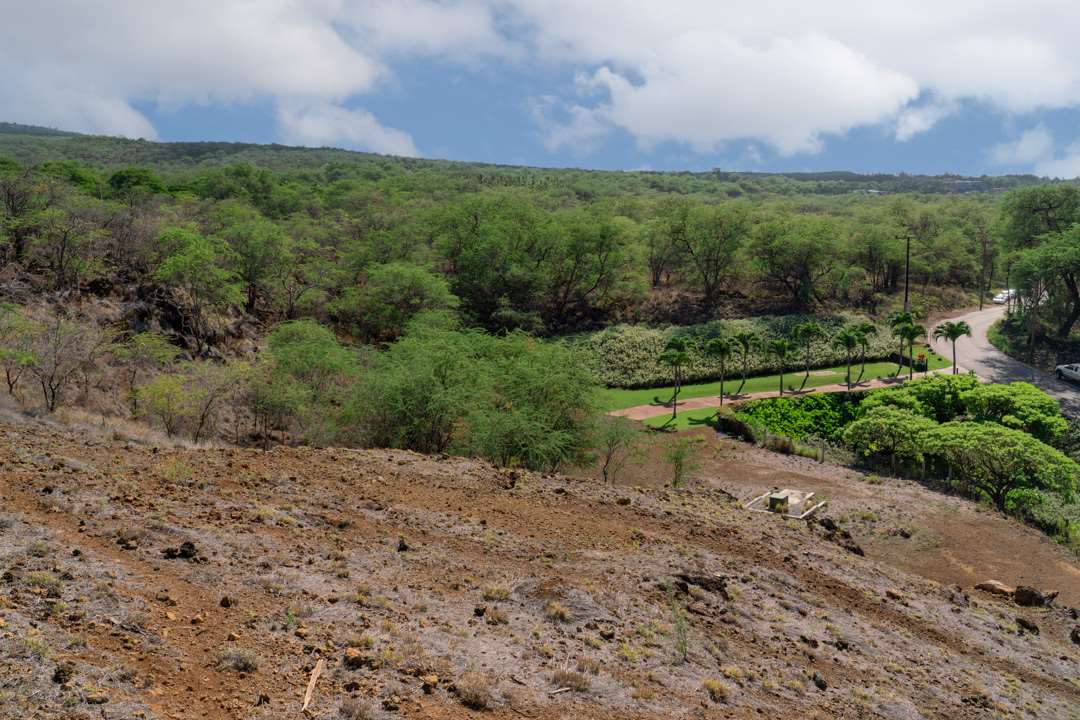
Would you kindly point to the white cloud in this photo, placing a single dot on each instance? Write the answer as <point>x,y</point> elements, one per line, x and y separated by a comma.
<point>1033,146</point>
<point>789,72</point>
<point>1065,166</point>
<point>87,66</point>
<point>914,120</point>
<point>320,125</point>
<point>784,73</point>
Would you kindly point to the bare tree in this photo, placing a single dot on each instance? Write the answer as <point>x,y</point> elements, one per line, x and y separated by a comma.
<point>60,350</point>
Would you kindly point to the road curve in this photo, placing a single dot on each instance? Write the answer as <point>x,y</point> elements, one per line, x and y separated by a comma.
<point>976,353</point>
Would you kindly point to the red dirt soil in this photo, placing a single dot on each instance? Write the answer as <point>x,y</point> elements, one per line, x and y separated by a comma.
<point>428,583</point>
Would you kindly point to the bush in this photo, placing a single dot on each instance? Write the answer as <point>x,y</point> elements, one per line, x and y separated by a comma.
<point>513,400</point>
<point>891,435</point>
<point>1017,405</point>
<point>626,355</point>
<point>938,397</point>
<point>822,416</point>
<point>986,460</point>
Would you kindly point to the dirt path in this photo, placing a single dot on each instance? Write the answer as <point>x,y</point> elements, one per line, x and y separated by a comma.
<point>644,412</point>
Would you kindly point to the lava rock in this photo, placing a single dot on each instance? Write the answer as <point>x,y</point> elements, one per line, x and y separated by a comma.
<point>1030,597</point>
<point>1027,625</point>
<point>186,551</point>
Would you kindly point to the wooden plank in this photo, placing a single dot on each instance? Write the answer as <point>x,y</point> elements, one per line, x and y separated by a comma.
<point>311,683</point>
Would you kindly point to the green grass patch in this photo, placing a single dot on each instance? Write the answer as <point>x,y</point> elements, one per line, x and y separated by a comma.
<point>618,398</point>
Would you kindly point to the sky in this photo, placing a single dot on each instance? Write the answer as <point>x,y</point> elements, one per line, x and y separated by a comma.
<point>966,86</point>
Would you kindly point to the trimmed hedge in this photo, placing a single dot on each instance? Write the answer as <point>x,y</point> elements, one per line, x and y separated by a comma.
<point>625,356</point>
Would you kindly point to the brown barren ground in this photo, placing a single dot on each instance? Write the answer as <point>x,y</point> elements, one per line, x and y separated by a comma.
<point>446,588</point>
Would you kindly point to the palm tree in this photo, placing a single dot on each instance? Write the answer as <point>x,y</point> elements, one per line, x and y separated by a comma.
<point>782,350</point>
<point>952,331</point>
<point>896,321</point>
<point>910,333</point>
<point>721,349</point>
<point>806,334</point>
<point>866,330</point>
<point>676,355</point>
<point>847,340</point>
<point>746,341</point>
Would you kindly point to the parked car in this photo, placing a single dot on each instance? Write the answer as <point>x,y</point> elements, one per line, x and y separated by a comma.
<point>1068,372</point>
<point>1003,297</point>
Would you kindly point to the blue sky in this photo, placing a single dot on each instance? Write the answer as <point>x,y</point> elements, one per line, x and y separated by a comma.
<point>967,86</point>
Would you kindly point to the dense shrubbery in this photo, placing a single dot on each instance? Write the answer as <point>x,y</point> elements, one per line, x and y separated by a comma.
<point>627,356</point>
<point>938,397</point>
<point>822,415</point>
<point>988,442</point>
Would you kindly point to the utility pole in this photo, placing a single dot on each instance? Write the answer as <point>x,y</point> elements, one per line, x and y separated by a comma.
<point>984,241</point>
<point>907,269</point>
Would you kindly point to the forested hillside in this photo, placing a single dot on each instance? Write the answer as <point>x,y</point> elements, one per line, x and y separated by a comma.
<point>263,293</point>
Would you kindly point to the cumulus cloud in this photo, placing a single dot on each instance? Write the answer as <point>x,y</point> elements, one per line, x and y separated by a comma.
<point>321,125</point>
<point>783,73</point>
<point>1033,146</point>
<point>790,72</point>
<point>89,66</point>
<point>1067,166</point>
<point>914,120</point>
<point>1037,150</point>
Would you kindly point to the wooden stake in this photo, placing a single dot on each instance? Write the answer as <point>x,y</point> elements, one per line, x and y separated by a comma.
<point>311,683</point>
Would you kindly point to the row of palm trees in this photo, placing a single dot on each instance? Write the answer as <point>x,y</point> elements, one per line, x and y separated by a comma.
<point>852,340</point>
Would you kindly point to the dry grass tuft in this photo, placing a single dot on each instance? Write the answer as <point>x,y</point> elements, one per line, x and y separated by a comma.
<point>576,681</point>
<point>718,691</point>
<point>474,690</point>
<point>238,660</point>
<point>556,611</point>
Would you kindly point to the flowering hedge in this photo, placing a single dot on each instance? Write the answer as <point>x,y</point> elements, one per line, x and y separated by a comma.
<point>625,356</point>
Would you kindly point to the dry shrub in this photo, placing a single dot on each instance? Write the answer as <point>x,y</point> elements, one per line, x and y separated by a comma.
<point>351,709</point>
<point>474,690</point>
<point>576,681</point>
<point>238,660</point>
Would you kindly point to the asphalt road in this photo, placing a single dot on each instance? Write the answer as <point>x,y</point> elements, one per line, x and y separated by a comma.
<point>976,353</point>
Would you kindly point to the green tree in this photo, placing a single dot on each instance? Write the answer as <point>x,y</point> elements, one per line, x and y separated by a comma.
<point>865,331</point>
<point>952,331</point>
<point>891,434</point>
<point>195,268</point>
<point>165,398</point>
<point>1040,223</point>
<point>1017,405</point>
<point>721,349</point>
<point>847,341</point>
<point>615,440</point>
<point>391,297</point>
<point>990,461</point>
<point>710,238</point>
<point>806,334</point>
<point>782,349</point>
<point>143,352</point>
<point>797,253</point>
<point>910,333</point>
<point>680,455</point>
<point>16,338</point>
<point>132,184</point>
<point>676,355</point>
<point>747,342</point>
<point>258,249</point>
<point>896,321</point>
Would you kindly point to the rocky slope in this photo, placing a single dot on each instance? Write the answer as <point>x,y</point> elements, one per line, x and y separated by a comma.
<point>153,582</point>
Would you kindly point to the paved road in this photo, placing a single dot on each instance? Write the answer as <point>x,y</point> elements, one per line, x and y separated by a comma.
<point>976,353</point>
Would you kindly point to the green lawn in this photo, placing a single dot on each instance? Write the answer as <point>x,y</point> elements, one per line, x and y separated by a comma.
<point>617,399</point>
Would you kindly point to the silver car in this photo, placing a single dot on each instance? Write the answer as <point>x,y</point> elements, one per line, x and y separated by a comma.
<point>1068,372</point>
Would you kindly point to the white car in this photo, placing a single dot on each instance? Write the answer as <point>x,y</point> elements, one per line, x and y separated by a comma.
<point>1068,372</point>
<point>1003,297</point>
